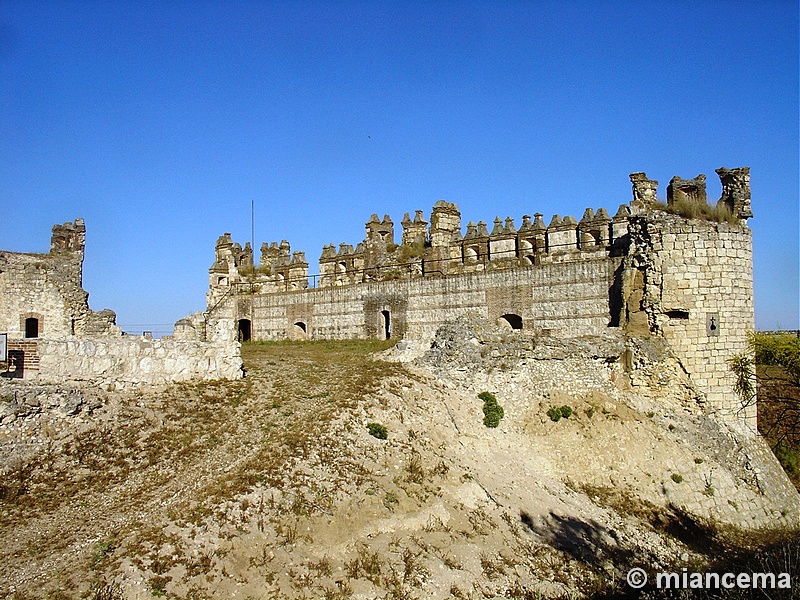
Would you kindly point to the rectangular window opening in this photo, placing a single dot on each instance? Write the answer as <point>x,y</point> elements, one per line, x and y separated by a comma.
<point>678,314</point>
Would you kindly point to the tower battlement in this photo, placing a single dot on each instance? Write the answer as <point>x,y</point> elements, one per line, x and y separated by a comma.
<point>442,248</point>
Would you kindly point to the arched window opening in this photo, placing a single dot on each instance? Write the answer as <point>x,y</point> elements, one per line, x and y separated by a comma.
<point>471,254</point>
<point>31,327</point>
<point>244,329</point>
<point>510,320</point>
<point>341,272</point>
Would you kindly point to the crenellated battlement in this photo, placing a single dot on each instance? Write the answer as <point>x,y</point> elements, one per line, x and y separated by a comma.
<point>278,270</point>
<point>440,247</point>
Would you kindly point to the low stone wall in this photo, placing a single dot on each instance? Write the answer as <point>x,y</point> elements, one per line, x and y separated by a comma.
<point>134,360</point>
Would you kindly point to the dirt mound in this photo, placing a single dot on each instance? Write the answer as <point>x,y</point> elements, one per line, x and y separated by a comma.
<point>274,487</point>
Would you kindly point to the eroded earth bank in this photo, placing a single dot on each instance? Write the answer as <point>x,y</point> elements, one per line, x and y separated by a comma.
<point>273,486</point>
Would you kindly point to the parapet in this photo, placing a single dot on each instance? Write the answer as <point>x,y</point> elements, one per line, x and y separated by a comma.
<point>439,247</point>
<point>687,190</point>
<point>69,237</point>
<point>736,191</point>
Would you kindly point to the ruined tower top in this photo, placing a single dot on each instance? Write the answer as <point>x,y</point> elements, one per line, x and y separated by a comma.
<point>736,190</point>
<point>69,237</point>
<point>644,190</point>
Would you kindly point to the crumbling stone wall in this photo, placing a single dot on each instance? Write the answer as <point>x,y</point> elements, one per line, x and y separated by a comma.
<point>692,283</point>
<point>48,288</point>
<point>136,360</point>
<point>53,335</point>
<point>644,270</point>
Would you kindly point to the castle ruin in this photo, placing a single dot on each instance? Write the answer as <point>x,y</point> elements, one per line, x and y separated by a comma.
<point>53,336</point>
<point>642,271</point>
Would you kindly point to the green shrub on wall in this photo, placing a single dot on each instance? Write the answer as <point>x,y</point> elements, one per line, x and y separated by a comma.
<point>492,411</point>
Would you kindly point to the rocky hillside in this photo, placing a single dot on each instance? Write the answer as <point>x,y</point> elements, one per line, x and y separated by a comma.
<point>281,486</point>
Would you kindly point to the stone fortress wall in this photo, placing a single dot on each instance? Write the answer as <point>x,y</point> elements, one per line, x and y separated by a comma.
<point>643,271</point>
<point>53,335</point>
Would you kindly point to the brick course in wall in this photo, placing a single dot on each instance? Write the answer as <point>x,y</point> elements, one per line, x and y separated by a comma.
<point>23,358</point>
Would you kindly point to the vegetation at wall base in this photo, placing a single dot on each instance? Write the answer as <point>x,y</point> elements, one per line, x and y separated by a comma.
<point>776,375</point>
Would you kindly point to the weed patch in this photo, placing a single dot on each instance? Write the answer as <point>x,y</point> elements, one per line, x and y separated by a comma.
<point>377,430</point>
<point>557,413</point>
<point>492,411</point>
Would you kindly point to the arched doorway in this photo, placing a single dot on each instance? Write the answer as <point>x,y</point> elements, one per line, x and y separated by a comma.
<point>510,320</point>
<point>244,329</point>
<point>299,331</point>
<point>387,324</point>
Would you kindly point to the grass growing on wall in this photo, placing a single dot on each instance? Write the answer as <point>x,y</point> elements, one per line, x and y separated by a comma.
<point>700,210</point>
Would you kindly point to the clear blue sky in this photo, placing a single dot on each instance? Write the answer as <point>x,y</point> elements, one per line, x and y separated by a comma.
<point>159,123</point>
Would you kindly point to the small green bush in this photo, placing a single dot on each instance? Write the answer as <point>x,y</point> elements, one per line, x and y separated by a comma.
<point>555,413</point>
<point>377,430</point>
<point>492,411</point>
<point>487,397</point>
<point>676,478</point>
